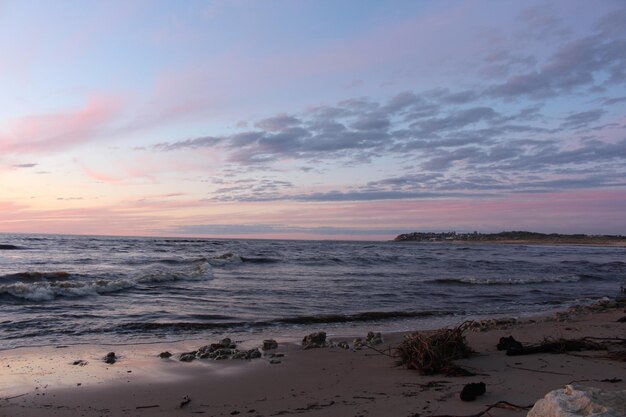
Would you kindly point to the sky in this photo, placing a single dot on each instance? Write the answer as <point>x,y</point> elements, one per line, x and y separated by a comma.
<point>349,119</point>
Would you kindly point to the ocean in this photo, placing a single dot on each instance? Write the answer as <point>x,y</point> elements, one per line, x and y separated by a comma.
<point>85,289</point>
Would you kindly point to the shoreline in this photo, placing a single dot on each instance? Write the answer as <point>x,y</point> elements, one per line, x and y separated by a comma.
<point>330,381</point>
<point>333,329</point>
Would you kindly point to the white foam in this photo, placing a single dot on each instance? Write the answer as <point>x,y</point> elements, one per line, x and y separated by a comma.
<point>514,280</point>
<point>49,290</point>
<point>225,259</point>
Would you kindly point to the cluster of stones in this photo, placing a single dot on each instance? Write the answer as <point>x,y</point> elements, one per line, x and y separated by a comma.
<point>489,324</point>
<point>225,349</point>
<point>318,340</point>
<point>372,339</point>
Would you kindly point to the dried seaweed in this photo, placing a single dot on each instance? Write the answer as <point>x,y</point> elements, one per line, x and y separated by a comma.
<point>433,352</point>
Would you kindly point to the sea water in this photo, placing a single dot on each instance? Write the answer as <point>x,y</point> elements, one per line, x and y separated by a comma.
<point>82,289</point>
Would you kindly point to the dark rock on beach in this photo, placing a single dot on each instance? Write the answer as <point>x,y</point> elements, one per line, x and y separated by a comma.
<point>165,355</point>
<point>343,345</point>
<point>187,356</point>
<point>473,390</point>
<point>269,344</point>
<point>314,340</point>
<point>373,339</point>
<point>254,353</point>
<point>110,358</point>
<point>223,350</point>
<point>509,342</point>
<point>358,343</point>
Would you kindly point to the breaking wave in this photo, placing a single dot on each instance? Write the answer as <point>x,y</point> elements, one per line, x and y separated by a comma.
<point>46,286</point>
<point>297,320</point>
<point>4,246</point>
<point>225,259</point>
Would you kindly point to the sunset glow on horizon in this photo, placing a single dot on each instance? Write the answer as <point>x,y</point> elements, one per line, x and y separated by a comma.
<point>312,119</point>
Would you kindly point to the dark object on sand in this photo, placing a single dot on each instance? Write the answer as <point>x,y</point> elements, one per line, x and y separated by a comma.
<point>473,390</point>
<point>110,358</point>
<point>509,342</point>
<point>314,340</point>
<point>186,400</point>
<point>557,346</point>
<point>165,355</point>
<point>269,344</point>
<point>187,356</point>
<point>433,352</point>
<point>622,319</point>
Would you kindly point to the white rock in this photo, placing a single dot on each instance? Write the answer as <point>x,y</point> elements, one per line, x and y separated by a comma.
<point>577,401</point>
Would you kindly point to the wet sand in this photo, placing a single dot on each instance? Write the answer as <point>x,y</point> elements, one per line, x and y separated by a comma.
<point>43,381</point>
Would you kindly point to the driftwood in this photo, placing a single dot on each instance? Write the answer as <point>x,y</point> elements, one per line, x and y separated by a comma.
<point>500,404</point>
<point>556,346</point>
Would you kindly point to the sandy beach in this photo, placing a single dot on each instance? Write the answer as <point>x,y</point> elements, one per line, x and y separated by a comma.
<point>44,381</point>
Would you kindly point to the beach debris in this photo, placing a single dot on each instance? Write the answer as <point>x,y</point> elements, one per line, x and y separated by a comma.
<point>373,339</point>
<point>433,352</point>
<point>473,390</point>
<point>225,349</point>
<point>489,324</point>
<point>500,404</point>
<point>274,361</point>
<point>508,342</point>
<point>577,400</point>
<point>186,400</point>
<point>357,343</point>
<point>110,358</point>
<point>80,362</point>
<point>343,345</point>
<point>550,345</point>
<point>227,343</point>
<point>612,380</point>
<point>314,340</point>
<point>187,356</point>
<point>141,407</point>
<point>269,344</point>
<point>165,355</point>
<point>622,319</point>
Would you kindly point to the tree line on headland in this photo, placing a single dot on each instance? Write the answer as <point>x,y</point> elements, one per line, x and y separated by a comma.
<point>510,237</point>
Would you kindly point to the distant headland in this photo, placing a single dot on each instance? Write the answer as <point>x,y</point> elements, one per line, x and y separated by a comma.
<point>514,237</point>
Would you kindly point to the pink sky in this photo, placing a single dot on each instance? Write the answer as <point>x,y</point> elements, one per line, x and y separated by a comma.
<point>313,119</point>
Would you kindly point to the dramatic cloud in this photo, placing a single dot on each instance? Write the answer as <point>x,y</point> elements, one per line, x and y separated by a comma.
<point>453,148</point>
